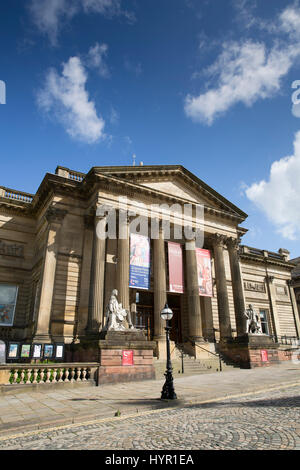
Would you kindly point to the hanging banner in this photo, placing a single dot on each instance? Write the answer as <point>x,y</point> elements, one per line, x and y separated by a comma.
<point>204,272</point>
<point>175,267</point>
<point>139,274</point>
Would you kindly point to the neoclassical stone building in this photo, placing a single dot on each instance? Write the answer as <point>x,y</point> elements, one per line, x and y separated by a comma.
<point>56,274</point>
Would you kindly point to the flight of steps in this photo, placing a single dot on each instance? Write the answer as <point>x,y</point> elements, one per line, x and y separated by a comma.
<point>194,366</point>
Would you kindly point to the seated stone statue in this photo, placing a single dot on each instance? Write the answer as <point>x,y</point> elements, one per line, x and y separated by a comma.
<point>115,314</point>
<point>253,324</point>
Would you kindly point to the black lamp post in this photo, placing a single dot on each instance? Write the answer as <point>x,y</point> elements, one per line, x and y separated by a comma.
<point>168,392</point>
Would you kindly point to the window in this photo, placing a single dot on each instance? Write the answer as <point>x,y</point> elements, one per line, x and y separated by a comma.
<point>264,321</point>
<point>8,299</point>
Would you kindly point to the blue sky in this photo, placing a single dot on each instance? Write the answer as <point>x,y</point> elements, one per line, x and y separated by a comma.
<point>205,84</point>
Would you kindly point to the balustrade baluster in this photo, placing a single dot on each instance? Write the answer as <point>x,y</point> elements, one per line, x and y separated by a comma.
<point>54,375</point>
<point>72,374</point>
<point>60,375</point>
<point>84,374</point>
<point>67,375</point>
<point>78,374</point>
<point>42,374</point>
<point>15,375</point>
<point>35,374</point>
<point>28,381</point>
<point>48,374</point>
<point>22,376</point>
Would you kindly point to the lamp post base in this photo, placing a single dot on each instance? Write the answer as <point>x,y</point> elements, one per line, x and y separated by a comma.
<point>168,392</point>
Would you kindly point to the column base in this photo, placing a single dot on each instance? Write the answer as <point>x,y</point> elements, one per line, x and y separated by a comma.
<point>42,338</point>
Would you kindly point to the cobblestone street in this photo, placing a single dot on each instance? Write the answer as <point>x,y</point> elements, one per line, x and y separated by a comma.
<point>268,421</point>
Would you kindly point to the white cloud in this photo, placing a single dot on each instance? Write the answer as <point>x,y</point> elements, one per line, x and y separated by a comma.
<point>96,59</point>
<point>279,197</point>
<point>246,71</point>
<point>50,15</point>
<point>66,98</point>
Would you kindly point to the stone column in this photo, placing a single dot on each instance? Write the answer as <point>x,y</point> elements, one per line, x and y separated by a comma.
<point>95,317</point>
<point>123,259</point>
<point>237,286</point>
<point>54,218</point>
<point>85,276</point>
<point>160,284</point>
<point>221,284</point>
<point>272,299</point>
<point>294,307</point>
<point>192,283</point>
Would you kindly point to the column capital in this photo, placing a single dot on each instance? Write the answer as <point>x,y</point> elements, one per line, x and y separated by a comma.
<point>55,215</point>
<point>270,279</point>
<point>219,240</point>
<point>233,243</point>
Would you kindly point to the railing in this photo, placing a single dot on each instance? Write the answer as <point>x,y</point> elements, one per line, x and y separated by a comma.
<point>76,176</point>
<point>33,374</point>
<point>193,343</point>
<point>286,340</point>
<point>16,195</point>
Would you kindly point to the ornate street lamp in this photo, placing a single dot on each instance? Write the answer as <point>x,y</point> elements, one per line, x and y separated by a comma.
<point>168,392</point>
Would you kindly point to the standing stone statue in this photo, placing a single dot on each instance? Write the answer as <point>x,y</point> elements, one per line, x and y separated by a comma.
<point>115,315</point>
<point>253,324</point>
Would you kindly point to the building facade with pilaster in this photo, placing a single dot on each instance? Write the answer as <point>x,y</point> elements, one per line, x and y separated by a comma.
<point>57,273</point>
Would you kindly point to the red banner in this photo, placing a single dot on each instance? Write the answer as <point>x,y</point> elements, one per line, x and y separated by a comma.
<point>175,267</point>
<point>204,272</point>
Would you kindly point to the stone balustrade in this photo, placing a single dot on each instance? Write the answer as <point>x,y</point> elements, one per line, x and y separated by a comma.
<point>16,195</point>
<point>33,374</point>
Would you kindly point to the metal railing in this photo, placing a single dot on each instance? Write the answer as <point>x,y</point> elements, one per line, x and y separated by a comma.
<point>193,343</point>
<point>286,340</point>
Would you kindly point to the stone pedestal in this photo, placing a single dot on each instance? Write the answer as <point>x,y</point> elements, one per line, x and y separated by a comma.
<point>113,353</point>
<point>251,351</point>
<point>120,348</point>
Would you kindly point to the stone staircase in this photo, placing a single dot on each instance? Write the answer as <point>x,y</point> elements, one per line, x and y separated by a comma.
<point>193,366</point>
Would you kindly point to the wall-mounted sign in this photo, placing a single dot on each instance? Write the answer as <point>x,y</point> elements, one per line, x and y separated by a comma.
<point>175,267</point>
<point>11,249</point>
<point>139,274</point>
<point>59,351</point>
<point>8,299</point>
<point>204,272</point>
<point>37,351</point>
<point>2,352</point>
<point>25,350</point>
<point>127,358</point>
<point>264,355</point>
<point>13,350</point>
<point>48,351</point>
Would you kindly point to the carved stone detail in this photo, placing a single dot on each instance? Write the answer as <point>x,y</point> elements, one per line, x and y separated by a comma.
<point>55,215</point>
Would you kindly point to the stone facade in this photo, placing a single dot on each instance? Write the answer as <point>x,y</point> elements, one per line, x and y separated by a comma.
<point>65,273</point>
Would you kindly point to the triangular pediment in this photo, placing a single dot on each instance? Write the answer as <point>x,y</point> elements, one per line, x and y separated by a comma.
<point>176,181</point>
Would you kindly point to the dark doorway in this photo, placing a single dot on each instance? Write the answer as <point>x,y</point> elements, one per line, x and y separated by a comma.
<point>144,317</point>
<point>174,304</point>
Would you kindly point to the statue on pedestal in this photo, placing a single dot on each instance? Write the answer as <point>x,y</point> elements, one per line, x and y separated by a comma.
<point>253,324</point>
<point>116,315</point>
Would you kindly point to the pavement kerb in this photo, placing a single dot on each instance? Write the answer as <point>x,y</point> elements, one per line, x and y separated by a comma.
<point>37,428</point>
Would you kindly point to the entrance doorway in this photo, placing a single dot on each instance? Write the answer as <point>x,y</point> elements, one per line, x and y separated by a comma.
<point>176,331</point>
<point>144,316</point>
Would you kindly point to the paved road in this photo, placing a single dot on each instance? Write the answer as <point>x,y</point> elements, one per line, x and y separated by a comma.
<point>257,421</point>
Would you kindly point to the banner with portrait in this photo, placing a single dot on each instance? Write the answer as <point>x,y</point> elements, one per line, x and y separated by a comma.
<point>175,267</point>
<point>139,274</point>
<point>204,272</point>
